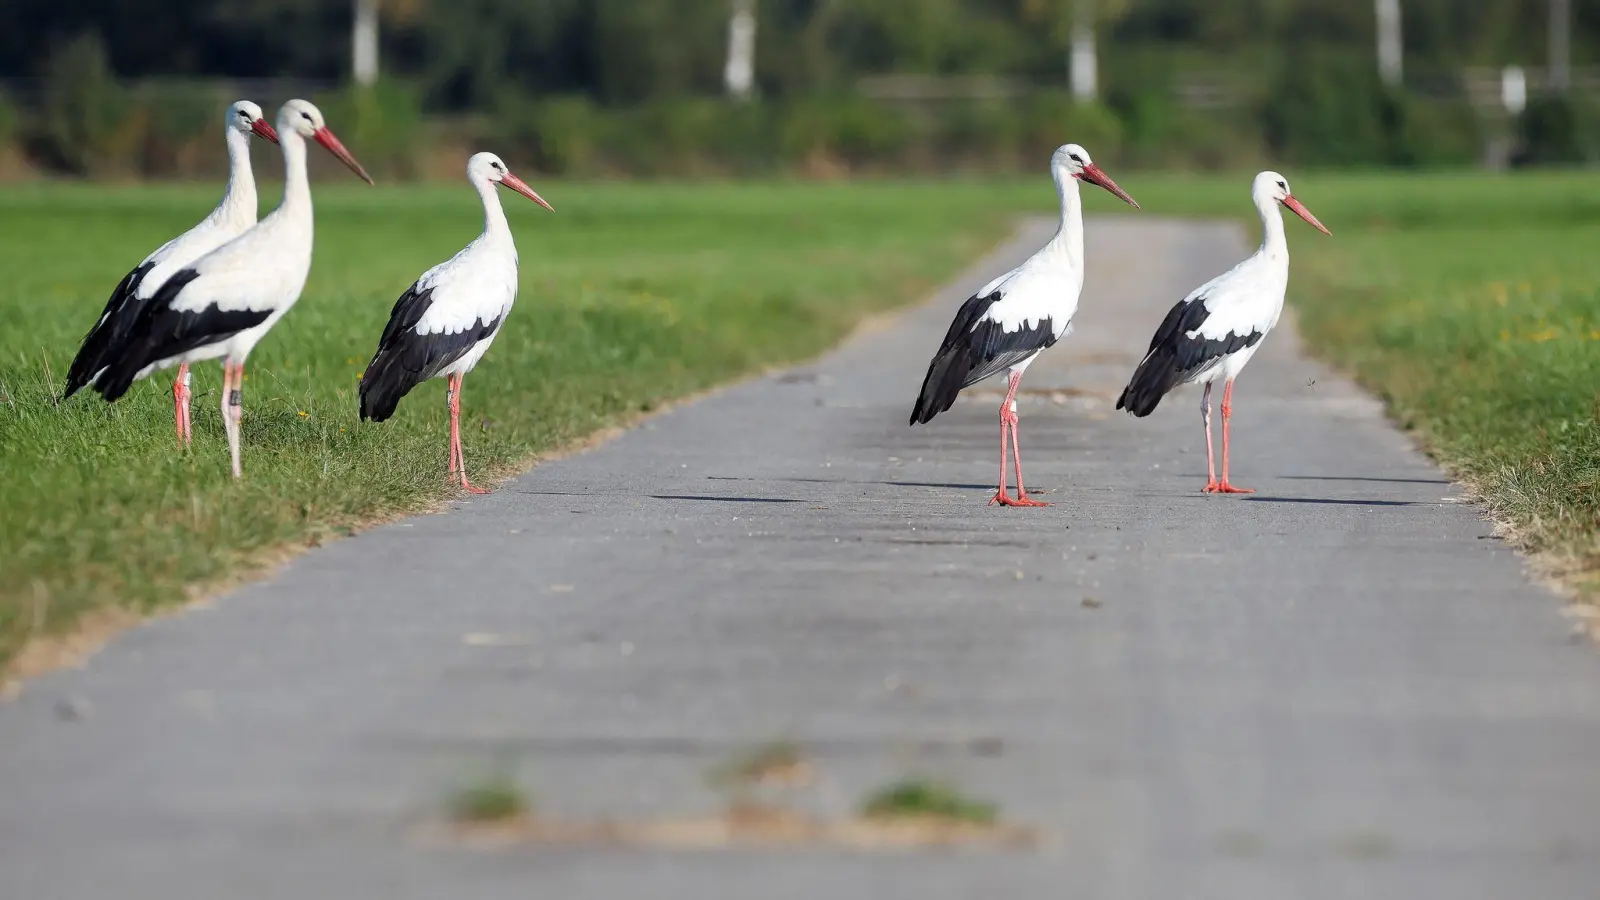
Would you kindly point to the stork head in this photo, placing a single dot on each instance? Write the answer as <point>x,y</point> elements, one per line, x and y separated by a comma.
<point>1271,187</point>
<point>245,117</point>
<point>490,169</point>
<point>1072,161</point>
<point>301,118</point>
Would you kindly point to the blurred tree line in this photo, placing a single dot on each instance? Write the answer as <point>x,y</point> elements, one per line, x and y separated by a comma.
<point>635,85</point>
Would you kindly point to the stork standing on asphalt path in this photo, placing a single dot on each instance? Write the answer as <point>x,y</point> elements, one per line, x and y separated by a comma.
<point>1214,331</point>
<point>446,320</point>
<point>226,301</point>
<point>1007,324</point>
<point>232,217</point>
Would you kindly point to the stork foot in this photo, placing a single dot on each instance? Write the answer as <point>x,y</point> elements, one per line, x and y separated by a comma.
<point>1223,487</point>
<point>1020,500</point>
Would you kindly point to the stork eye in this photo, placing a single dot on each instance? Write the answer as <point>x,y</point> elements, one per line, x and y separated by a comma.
<point>498,167</point>
<point>1283,185</point>
<point>1075,157</point>
<point>306,116</point>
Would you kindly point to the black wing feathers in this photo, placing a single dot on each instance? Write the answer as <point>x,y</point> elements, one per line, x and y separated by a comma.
<point>1175,357</point>
<point>406,359</point>
<point>110,330</point>
<point>162,333</point>
<point>973,349</point>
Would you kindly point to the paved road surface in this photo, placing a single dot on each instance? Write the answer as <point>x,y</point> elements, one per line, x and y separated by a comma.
<point>1338,688</point>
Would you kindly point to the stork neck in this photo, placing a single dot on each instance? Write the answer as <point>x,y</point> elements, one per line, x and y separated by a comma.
<point>495,226</point>
<point>1273,243</point>
<point>238,204</point>
<point>296,183</point>
<point>1069,239</point>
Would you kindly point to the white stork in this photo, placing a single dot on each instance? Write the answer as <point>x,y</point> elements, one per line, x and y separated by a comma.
<point>232,217</point>
<point>444,323</point>
<point>226,301</point>
<point>1007,324</point>
<point>1215,330</point>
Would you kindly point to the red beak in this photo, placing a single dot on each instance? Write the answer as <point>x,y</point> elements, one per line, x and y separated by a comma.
<point>1304,213</point>
<point>263,130</point>
<point>517,184</point>
<point>1095,175</point>
<point>326,139</point>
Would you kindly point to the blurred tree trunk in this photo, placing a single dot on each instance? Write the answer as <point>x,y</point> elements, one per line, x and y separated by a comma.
<point>1560,45</point>
<point>364,33</point>
<point>740,73</point>
<point>1082,61</point>
<point>1073,24</point>
<point>1390,43</point>
<point>364,43</point>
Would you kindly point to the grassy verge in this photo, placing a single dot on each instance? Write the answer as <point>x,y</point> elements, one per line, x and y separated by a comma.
<point>631,295</point>
<point>1468,302</point>
<point>1471,304</point>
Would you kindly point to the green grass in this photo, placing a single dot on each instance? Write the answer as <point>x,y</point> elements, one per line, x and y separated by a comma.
<point>917,798</point>
<point>1471,304</point>
<point>631,295</point>
<point>496,798</point>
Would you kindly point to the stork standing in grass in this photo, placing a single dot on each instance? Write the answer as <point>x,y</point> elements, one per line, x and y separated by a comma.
<point>1213,332</point>
<point>444,323</point>
<point>1006,325</point>
<point>225,302</point>
<point>232,217</point>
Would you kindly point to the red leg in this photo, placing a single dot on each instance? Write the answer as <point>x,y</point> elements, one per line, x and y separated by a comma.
<point>188,398</point>
<point>1212,485</point>
<point>180,404</point>
<point>455,439</point>
<point>1008,422</point>
<point>232,411</point>
<point>1227,414</point>
<point>455,434</point>
<point>1016,451</point>
<point>1005,458</point>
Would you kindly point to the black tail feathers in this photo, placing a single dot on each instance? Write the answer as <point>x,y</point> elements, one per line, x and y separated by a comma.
<point>947,375</point>
<point>89,361</point>
<point>382,385</point>
<point>1157,375</point>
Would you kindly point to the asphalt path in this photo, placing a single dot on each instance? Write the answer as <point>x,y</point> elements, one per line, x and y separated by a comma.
<point>1341,686</point>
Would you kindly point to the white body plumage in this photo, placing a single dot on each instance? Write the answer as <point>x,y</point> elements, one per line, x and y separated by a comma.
<point>445,322</point>
<point>265,268</point>
<point>233,216</point>
<point>476,288</point>
<point>1012,319</point>
<point>223,303</point>
<point>1211,334</point>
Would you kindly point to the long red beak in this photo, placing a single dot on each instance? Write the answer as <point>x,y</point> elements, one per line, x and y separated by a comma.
<point>521,187</point>
<point>1095,175</point>
<point>326,139</point>
<point>263,130</point>
<point>1304,213</point>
